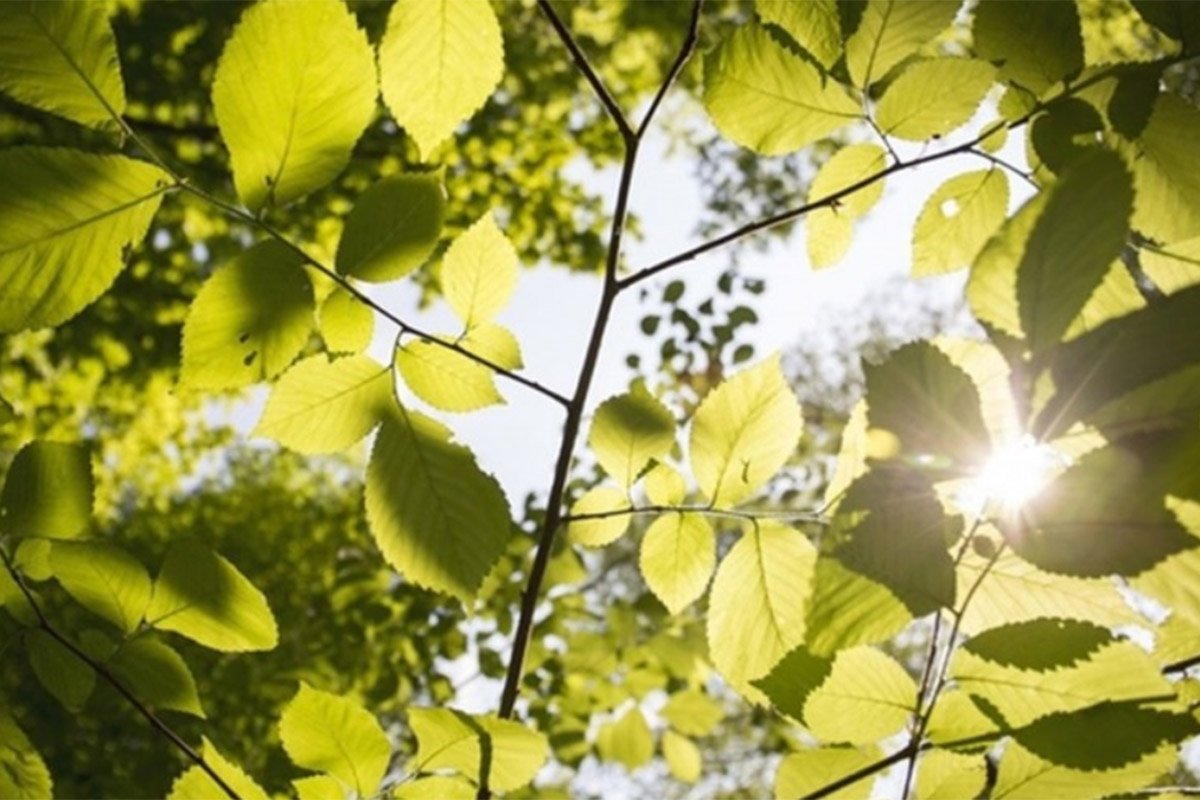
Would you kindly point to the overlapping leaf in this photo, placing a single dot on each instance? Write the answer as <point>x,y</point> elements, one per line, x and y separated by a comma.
<point>48,491</point>
<point>393,227</point>
<point>327,733</point>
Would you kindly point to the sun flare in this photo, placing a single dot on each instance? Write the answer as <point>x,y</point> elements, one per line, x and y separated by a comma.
<point>1014,474</point>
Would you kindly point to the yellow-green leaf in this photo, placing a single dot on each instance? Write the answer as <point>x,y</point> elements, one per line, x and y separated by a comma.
<point>327,733</point>
<point>61,57</point>
<point>664,486</point>
<point>448,739</point>
<point>934,97</point>
<point>436,516</point>
<point>957,220</point>
<point>1035,44</point>
<point>683,757</point>
<point>23,773</point>
<point>943,775</point>
<point>439,61</point>
<point>67,219</point>
<point>48,491</point>
<point>831,229</point>
<point>627,741</point>
<point>294,89</point>
<point>678,554</point>
<point>445,379</point>
<point>814,24</point>
<point>496,343</point>
<point>692,712</point>
<point>629,430</point>
<point>744,432</point>
<point>158,674</point>
<point>890,31</point>
<point>764,97</point>
<point>196,784</point>
<point>346,323</point>
<point>104,579</point>
<point>479,272</point>
<point>866,697</point>
<point>323,406</point>
<point>806,771</point>
<point>756,608</point>
<point>393,227</point>
<point>63,673</point>
<point>599,531</point>
<point>201,595</point>
<point>249,321</point>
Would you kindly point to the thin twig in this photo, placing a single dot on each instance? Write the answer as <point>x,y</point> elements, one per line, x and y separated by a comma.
<point>748,515</point>
<point>883,137</point>
<point>112,680</point>
<point>1008,165</point>
<point>685,52</point>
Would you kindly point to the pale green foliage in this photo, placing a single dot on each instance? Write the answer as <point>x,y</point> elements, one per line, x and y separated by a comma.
<point>763,97</point>
<point>66,218</point>
<point>327,733</point>
<point>196,784</point>
<point>1166,181</point>
<point>932,98</point>
<point>319,787</point>
<point>756,608</point>
<point>160,674</point>
<point>61,57</point>
<point>627,741</point>
<point>1024,776</point>
<point>805,771</point>
<point>479,272</point>
<point>393,227</point>
<point>445,379</point>
<point>104,579</point>
<point>867,696</point>
<point>678,555</point>
<point>446,787</point>
<point>450,739</point>
<point>889,32</point>
<point>629,430</point>
<point>831,230</point>
<point>815,25</point>
<point>684,759</point>
<point>324,406</point>
<point>945,775</point>
<point>601,530</point>
<point>438,63</point>
<point>298,136</point>
<point>664,485</point>
<point>346,322</point>
<point>48,491</point>
<point>496,343</point>
<point>201,595</point>
<point>1034,44</point>
<point>692,712</point>
<point>249,321</point>
<point>23,773</point>
<point>436,516</point>
<point>743,432</point>
<point>957,220</point>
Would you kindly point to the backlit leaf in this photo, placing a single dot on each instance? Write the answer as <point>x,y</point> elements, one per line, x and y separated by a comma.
<point>436,516</point>
<point>957,219</point>
<point>502,754</point>
<point>1165,172</point>
<point>23,773</point>
<point>438,63</point>
<point>602,530</point>
<point>830,230</point>
<point>761,96</point>
<point>1024,776</point>
<point>629,430</point>
<point>393,227</point>
<point>678,555</point>
<point>196,784</point>
<point>479,272</point>
<point>63,673</point>
<point>627,741</point>
<point>1034,44</point>
<point>159,675</point>
<point>48,491</point>
<point>932,98</point>
<point>346,322</point>
<point>327,733</point>
<point>805,771</point>
<point>104,579</point>
<point>67,219</point>
<point>320,70</point>
<point>815,25</point>
<point>943,775</point>
<point>445,379</point>
<point>889,32</point>
<point>1117,734</point>
<point>683,757</point>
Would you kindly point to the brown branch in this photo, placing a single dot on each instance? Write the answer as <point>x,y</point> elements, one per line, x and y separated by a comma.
<point>112,680</point>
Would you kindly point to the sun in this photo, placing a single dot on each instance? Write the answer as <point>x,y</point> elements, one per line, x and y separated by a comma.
<point>1014,475</point>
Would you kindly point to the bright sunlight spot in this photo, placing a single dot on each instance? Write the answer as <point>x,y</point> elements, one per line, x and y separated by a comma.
<point>1013,476</point>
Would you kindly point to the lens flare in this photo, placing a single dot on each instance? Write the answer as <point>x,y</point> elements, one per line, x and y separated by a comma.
<point>1015,474</point>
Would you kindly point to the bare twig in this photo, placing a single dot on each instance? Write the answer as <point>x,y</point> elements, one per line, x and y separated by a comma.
<point>746,515</point>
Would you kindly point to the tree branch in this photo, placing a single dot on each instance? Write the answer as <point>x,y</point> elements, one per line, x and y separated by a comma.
<point>708,511</point>
<point>685,52</point>
<point>112,680</point>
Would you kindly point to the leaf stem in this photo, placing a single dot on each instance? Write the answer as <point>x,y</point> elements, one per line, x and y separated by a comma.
<point>112,680</point>
<point>708,511</point>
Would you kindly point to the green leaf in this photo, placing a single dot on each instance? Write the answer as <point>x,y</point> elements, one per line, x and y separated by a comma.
<point>1034,44</point>
<point>48,491</point>
<point>1060,643</point>
<point>929,404</point>
<point>599,531</point>
<point>323,406</point>
<point>992,285</point>
<point>627,741</point>
<point>629,430</point>
<point>956,221</point>
<point>67,219</point>
<point>479,272</point>
<point>496,343</point>
<point>761,96</point>
<point>326,787</point>
<point>445,379</point>
<point>1115,296</point>
<point>664,486</point>
<point>23,773</point>
<point>61,57</point>
<point>1105,514</point>
<point>327,733</point>
<point>438,63</point>
<point>890,31</point>
<point>294,89</point>
<point>678,555</point>
<point>943,775</point>
<point>1173,267</point>
<point>346,323</point>
<point>158,675</point>
<point>196,784</point>
<point>1079,233</point>
<point>756,609</point>
<point>815,25</point>
<point>200,595</point>
<point>393,227</point>
<point>789,685</point>
<point>932,98</point>
<point>502,754</point>
<point>249,320</point>
<point>848,609</point>
<point>32,559</point>
<point>1178,20</point>
<point>743,432</point>
<point>104,579</point>
<point>692,712</point>
<point>1166,172</point>
<point>436,516</point>
<point>831,229</point>
<point>63,673</point>
<point>805,771</point>
<point>683,757</point>
<point>1116,733</point>
<point>1024,776</point>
